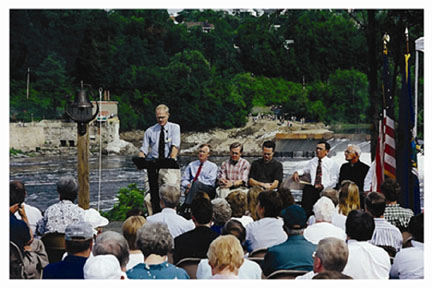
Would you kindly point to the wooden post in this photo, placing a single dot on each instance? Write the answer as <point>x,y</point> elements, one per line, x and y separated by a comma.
<point>83,170</point>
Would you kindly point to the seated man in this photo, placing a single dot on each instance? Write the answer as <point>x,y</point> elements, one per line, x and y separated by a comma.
<point>169,199</point>
<point>331,255</point>
<point>385,234</point>
<point>234,172</point>
<point>296,252</point>
<point>79,242</point>
<point>409,262</point>
<point>200,175</point>
<point>324,211</point>
<point>195,243</point>
<point>394,213</point>
<point>268,230</point>
<point>365,260</point>
<point>265,174</point>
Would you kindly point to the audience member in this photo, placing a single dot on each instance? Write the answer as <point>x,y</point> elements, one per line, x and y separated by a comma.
<point>200,175</point>
<point>169,199</point>
<point>234,172</point>
<point>326,275</point>
<point>349,199</point>
<point>102,267</point>
<point>155,241</point>
<point>33,214</point>
<point>221,214</point>
<point>95,219</point>
<point>268,230</point>
<point>129,229</point>
<point>332,194</point>
<point>385,234</point>
<point>225,256</point>
<point>296,252</point>
<point>409,262</point>
<point>365,260</point>
<point>265,174</point>
<point>248,270</point>
<point>394,213</point>
<point>64,212</point>
<point>195,243</point>
<point>324,211</point>
<point>111,242</point>
<point>286,195</point>
<point>239,208</point>
<point>324,174</point>
<point>79,242</point>
<point>331,255</point>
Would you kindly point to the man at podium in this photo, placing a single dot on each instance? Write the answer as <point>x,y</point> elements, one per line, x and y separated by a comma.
<point>161,141</point>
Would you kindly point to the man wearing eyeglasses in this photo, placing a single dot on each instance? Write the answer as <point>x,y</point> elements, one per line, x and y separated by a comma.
<point>324,174</point>
<point>161,140</point>
<point>354,170</point>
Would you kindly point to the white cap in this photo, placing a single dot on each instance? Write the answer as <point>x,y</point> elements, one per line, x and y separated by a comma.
<point>102,267</point>
<point>93,217</point>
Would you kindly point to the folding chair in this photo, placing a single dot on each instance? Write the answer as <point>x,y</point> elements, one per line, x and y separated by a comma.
<point>190,265</point>
<point>257,255</point>
<point>55,246</point>
<point>286,274</point>
<point>16,262</point>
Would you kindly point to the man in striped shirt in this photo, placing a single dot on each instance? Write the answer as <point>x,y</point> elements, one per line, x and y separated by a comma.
<point>234,172</point>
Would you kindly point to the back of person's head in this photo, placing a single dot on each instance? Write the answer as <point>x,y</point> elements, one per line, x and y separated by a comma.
<point>326,144</point>
<point>202,210</point>
<point>333,253</point>
<point>349,197</point>
<point>332,194</point>
<point>67,188</point>
<point>102,267</point>
<point>391,189</point>
<point>324,209</point>
<point>375,204</point>
<point>235,228</point>
<point>331,275</point>
<point>130,228</point>
<point>78,237</point>
<point>269,144</point>
<point>170,195</point>
<point>359,225</point>
<point>238,203</point>
<point>295,220</point>
<point>17,193</point>
<point>271,202</point>
<point>225,252</point>
<point>221,211</point>
<point>111,242</point>
<point>416,227</point>
<point>286,195</point>
<point>154,238</point>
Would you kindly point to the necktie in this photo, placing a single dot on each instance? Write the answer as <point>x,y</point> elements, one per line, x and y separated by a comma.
<point>198,172</point>
<point>161,150</point>
<point>318,175</point>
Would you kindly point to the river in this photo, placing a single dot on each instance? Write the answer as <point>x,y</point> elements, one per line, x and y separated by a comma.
<point>40,175</point>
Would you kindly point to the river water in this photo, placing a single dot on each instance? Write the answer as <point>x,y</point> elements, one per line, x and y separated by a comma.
<point>40,175</point>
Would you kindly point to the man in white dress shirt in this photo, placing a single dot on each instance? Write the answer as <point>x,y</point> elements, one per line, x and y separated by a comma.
<point>169,199</point>
<point>324,174</point>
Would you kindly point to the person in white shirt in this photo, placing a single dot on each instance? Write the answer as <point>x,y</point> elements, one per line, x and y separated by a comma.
<point>248,270</point>
<point>365,260</point>
<point>385,234</point>
<point>324,211</point>
<point>409,262</point>
<point>225,256</point>
<point>268,230</point>
<point>169,199</point>
<point>324,174</point>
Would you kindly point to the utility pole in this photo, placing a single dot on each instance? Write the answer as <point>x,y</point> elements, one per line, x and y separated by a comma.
<point>28,82</point>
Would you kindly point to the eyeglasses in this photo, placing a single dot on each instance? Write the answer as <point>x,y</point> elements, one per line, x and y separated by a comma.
<point>348,152</point>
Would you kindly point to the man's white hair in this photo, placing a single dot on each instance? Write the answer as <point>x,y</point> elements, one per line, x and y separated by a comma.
<point>356,148</point>
<point>324,209</point>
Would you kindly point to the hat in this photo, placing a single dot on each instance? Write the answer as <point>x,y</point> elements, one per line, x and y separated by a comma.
<point>93,217</point>
<point>102,267</point>
<point>294,217</point>
<point>80,229</point>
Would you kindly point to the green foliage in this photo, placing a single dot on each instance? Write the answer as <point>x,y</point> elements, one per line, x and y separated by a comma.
<point>130,197</point>
<point>13,151</point>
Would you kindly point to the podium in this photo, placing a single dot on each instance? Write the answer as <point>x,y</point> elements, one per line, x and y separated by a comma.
<point>163,163</point>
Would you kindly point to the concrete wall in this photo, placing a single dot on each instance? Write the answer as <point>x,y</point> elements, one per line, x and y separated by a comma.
<point>51,134</point>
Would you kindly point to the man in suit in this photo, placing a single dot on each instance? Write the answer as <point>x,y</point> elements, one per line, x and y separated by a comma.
<point>195,243</point>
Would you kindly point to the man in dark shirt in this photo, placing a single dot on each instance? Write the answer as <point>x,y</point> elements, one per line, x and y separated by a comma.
<point>354,170</point>
<point>79,242</point>
<point>265,174</point>
<point>195,243</point>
